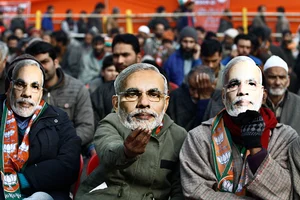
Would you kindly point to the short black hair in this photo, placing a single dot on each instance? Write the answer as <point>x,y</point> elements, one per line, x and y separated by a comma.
<point>107,62</point>
<point>99,6</point>
<point>97,38</point>
<point>12,37</point>
<point>60,36</point>
<point>50,7</point>
<point>280,9</point>
<point>200,28</point>
<point>241,37</point>
<point>285,32</point>
<point>160,9</point>
<point>41,47</point>
<point>210,47</point>
<point>127,38</point>
<point>210,35</point>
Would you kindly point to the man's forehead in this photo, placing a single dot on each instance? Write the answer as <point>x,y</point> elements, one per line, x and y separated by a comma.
<point>122,48</point>
<point>30,74</point>
<point>244,71</point>
<point>145,79</point>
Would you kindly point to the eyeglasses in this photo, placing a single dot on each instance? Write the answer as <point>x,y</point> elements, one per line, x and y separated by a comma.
<point>235,84</point>
<point>21,85</point>
<point>153,95</point>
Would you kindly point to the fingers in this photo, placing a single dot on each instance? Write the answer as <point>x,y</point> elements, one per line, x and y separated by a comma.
<point>137,141</point>
<point>203,81</point>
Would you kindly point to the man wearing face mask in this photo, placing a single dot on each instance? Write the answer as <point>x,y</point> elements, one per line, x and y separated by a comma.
<point>139,145</point>
<point>242,152</point>
<point>184,59</point>
<point>91,64</point>
<point>40,151</point>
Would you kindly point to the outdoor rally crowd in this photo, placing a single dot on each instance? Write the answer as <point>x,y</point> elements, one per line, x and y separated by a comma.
<point>169,113</point>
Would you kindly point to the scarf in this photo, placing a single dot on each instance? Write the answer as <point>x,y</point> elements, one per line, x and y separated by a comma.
<point>223,128</point>
<point>14,157</point>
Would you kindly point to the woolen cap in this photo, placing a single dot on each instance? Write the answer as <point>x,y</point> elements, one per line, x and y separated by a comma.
<point>188,32</point>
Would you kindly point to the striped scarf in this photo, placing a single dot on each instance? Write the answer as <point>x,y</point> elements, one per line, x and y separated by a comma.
<point>14,156</point>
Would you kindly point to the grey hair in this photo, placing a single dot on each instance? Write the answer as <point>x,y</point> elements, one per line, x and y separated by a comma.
<point>237,60</point>
<point>200,69</point>
<point>25,63</point>
<point>3,51</point>
<point>119,82</point>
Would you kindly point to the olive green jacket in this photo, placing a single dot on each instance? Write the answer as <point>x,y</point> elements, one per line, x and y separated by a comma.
<point>154,174</point>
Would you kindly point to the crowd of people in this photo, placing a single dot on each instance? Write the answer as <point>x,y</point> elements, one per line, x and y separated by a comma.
<point>171,112</point>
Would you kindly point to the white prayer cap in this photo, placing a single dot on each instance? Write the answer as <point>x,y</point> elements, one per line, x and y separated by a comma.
<point>232,32</point>
<point>276,61</point>
<point>144,29</point>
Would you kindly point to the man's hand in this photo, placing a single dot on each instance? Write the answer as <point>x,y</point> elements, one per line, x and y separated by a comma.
<point>196,54</point>
<point>205,86</point>
<point>135,144</point>
<point>252,127</point>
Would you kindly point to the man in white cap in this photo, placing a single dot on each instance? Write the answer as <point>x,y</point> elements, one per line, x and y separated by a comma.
<point>280,100</point>
<point>228,41</point>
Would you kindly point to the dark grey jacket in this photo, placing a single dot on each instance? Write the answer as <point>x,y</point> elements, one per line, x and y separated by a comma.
<point>184,111</point>
<point>71,95</point>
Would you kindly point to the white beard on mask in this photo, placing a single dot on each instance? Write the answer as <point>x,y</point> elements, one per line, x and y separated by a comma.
<point>234,111</point>
<point>132,123</point>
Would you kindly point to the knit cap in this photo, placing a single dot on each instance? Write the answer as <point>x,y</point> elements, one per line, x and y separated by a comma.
<point>188,32</point>
<point>276,61</point>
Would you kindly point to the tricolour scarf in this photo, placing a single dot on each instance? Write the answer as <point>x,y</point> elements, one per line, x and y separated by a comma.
<point>14,157</point>
<point>223,129</point>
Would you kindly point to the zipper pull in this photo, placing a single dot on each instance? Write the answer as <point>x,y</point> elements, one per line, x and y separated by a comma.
<point>120,192</point>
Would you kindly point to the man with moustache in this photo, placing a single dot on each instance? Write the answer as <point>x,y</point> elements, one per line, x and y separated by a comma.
<point>242,152</point>
<point>40,149</point>
<point>138,146</point>
<point>91,63</point>
<point>184,59</point>
<point>65,92</point>
<point>281,101</point>
<point>126,51</point>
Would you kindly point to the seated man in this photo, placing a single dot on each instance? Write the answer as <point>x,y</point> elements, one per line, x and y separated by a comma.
<point>281,101</point>
<point>40,151</point>
<point>139,145</point>
<point>191,103</point>
<point>242,152</point>
<point>65,92</point>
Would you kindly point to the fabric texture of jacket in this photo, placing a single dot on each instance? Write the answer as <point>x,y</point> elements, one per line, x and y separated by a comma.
<point>101,100</point>
<point>90,67</point>
<point>70,62</point>
<point>152,175</point>
<point>184,111</point>
<point>54,154</point>
<point>272,179</point>
<point>70,95</point>
<point>290,111</point>
<point>174,67</point>
<point>294,155</point>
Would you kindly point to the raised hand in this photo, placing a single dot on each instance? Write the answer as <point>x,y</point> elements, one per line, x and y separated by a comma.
<point>135,144</point>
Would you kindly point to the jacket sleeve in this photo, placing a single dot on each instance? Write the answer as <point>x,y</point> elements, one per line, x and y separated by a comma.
<point>294,155</point>
<point>274,169</point>
<point>84,118</point>
<point>197,174</point>
<point>110,146</point>
<point>62,172</point>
